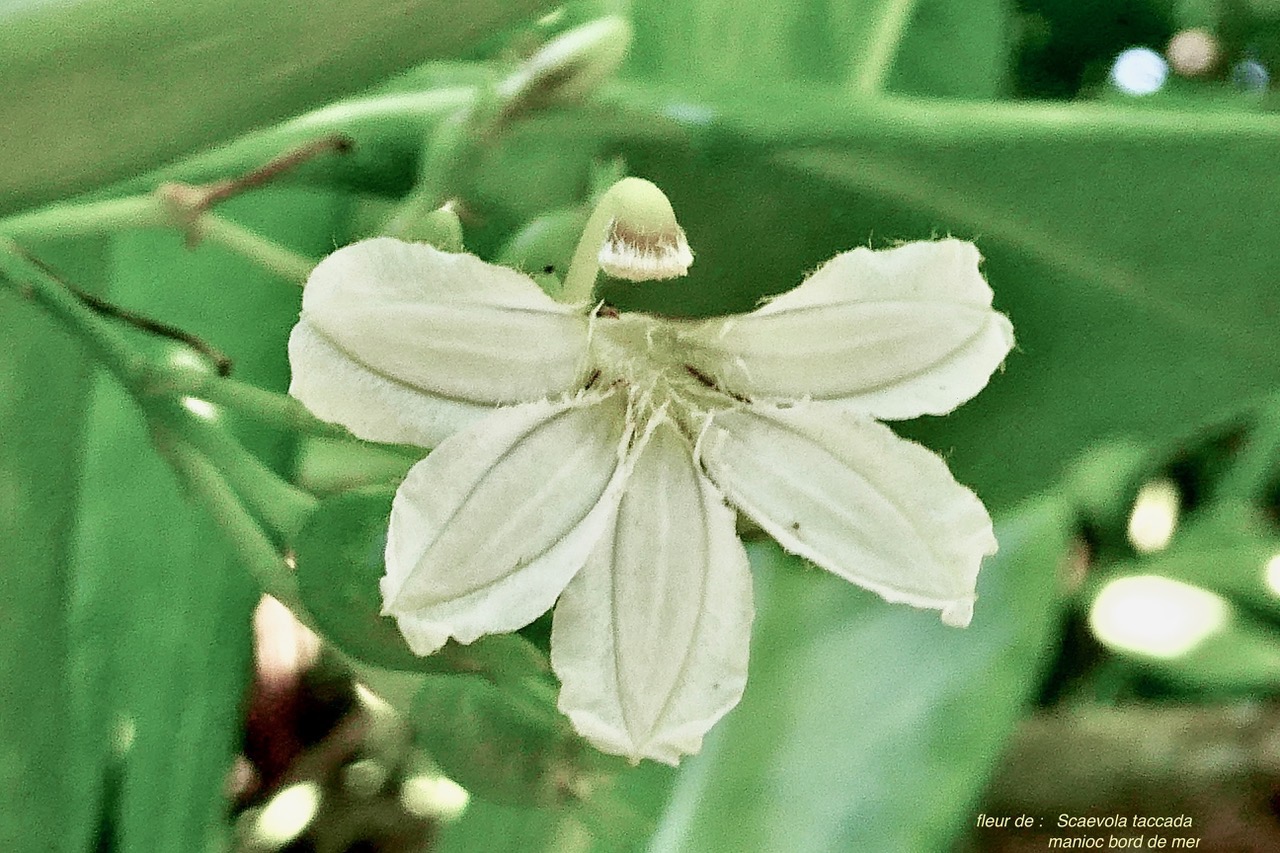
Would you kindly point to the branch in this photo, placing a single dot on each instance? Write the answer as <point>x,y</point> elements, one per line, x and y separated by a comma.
<point>868,75</point>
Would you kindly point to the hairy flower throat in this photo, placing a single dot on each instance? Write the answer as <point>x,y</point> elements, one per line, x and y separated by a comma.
<point>645,355</point>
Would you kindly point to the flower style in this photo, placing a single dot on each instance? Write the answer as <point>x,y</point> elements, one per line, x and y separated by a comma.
<point>584,458</point>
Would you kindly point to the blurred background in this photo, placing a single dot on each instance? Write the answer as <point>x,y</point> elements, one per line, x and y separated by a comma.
<point>1116,163</point>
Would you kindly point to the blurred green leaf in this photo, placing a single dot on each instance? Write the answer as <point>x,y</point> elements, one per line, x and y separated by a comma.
<point>50,769</point>
<point>1106,254</point>
<point>717,44</point>
<point>163,606</point>
<point>1193,645</point>
<point>340,561</point>
<point>944,48</point>
<point>1103,225</point>
<point>91,94</point>
<point>1237,571</point>
<point>1068,47</point>
<point>868,726</point>
<point>1227,549</point>
<point>339,557</point>
<point>954,50</point>
<point>544,247</point>
<point>496,828</point>
<point>165,612</point>
<point>619,818</point>
<point>502,748</point>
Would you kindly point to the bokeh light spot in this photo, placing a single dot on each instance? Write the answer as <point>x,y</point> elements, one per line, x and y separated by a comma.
<point>1156,616</point>
<point>1139,71</point>
<point>287,814</point>
<point>1272,575</point>
<point>1154,517</point>
<point>200,408</point>
<point>1250,75</point>
<point>1192,52</point>
<point>433,796</point>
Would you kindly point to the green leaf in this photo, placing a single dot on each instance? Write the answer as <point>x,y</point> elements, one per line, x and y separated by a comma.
<point>1238,655</point>
<point>930,46</point>
<point>1226,548</point>
<point>544,247</point>
<point>1103,225</point>
<point>162,605</point>
<point>496,828</point>
<point>90,97</point>
<point>714,44</point>
<point>619,819</point>
<point>165,614</point>
<point>340,560</point>
<point>1237,572</point>
<point>1092,253</point>
<point>502,747</point>
<point>50,768</point>
<point>868,726</point>
<point>957,50</point>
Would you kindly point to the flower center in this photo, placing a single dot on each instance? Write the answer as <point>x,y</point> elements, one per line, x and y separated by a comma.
<point>645,355</point>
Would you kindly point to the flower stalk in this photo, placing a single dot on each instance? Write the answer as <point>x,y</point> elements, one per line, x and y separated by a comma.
<point>567,68</point>
<point>158,388</point>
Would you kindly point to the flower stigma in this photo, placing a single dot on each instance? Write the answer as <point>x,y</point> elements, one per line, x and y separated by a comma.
<point>632,234</point>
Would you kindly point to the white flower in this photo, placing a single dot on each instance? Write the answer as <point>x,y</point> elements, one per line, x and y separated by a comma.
<point>583,459</point>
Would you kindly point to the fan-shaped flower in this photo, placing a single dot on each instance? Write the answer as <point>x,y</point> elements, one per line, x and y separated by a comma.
<point>584,459</point>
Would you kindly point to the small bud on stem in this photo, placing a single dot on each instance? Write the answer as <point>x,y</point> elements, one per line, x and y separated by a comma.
<point>567,68</point>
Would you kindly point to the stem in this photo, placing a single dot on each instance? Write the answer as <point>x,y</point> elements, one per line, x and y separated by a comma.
<point>106,341</point>
<point>207,486</point>
<point>220,360</point>
<point>580,281</point>
<point>67,221</point>
<point>646,242</point>
<point>800,115</point>
<point>279,507</point>
<point>868,76</point>
<point>195,449</point>
<point>400,118</point>
<point>265,253</point>
<point>1258,463</point>
<point>144,378</point>
<point>440,163</point>
<point>446,147</point>
<point>274,168</point>
<point>268,407</point>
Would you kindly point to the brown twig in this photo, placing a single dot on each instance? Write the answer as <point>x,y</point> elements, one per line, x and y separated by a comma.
<point>221,361</point>
<point>218,191</point>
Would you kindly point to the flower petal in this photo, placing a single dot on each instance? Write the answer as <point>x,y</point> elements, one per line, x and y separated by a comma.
<point>846,493</point>
<point>374,407</point>
<point>448,326</point>
<point>892,334</point>
<point>650,639</point>
<point>487,530</point>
